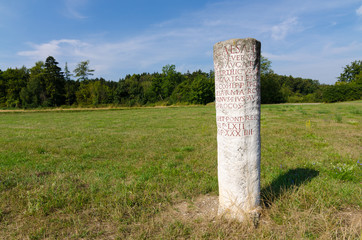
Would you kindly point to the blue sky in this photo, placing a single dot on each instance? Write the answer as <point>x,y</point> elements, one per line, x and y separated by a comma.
<point>310,39</point>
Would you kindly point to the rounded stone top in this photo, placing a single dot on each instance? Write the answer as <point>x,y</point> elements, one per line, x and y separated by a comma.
<point>235,46</point>
<point>238,41</point>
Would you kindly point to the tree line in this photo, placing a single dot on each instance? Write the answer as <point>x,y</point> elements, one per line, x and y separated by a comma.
<point>282,89</point>
<point>46,85</point>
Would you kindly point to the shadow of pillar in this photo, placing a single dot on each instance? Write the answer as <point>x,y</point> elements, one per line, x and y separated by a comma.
<point>284,182</point>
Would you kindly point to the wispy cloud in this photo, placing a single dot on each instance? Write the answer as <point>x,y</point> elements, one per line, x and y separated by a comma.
<point>73,8</point>
<point>7,14</point>
<point>54,48</point>
<point>324,64</point>
<point>280,31</point>
<point>330,49</point>
<point>359,11</point>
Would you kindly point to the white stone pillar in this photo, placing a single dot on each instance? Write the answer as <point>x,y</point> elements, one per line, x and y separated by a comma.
<point>237,93</point>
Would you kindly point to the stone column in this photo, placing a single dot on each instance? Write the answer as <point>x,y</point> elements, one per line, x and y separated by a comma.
<point>237,93</point>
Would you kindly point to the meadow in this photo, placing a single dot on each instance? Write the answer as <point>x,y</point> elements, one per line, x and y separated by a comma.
<point>151,173</point>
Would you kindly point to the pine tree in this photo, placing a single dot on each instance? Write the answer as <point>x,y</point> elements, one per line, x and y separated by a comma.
<point>54,83</point>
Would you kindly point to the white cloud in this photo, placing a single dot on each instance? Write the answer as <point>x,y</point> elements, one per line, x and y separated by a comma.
<point>280,31</point>
<point>136,53</point>
<point>54,48</point>
<point>359,11</point>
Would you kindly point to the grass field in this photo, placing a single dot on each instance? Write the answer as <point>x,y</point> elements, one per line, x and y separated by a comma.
<point>151,173</point>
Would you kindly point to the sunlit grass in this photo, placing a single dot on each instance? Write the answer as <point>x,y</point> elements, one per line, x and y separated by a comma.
<point>115,174</point>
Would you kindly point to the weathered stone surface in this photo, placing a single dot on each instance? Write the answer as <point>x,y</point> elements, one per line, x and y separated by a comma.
<point>237,92</point>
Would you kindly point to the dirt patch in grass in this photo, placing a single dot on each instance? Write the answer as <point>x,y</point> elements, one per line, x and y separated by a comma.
<point>204,206</point>
<point>351,218</point>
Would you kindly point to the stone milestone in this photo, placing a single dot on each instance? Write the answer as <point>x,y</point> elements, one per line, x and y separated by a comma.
<point>237,100</point>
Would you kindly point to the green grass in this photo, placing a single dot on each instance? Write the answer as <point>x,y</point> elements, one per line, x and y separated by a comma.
<point>119,174</point>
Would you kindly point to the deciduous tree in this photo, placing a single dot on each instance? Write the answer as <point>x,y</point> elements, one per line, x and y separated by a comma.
<point>351,73</point>
<point>15,80</point>
<point>265,65</point>
<point>2,90</point>
<point>34,94</point>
